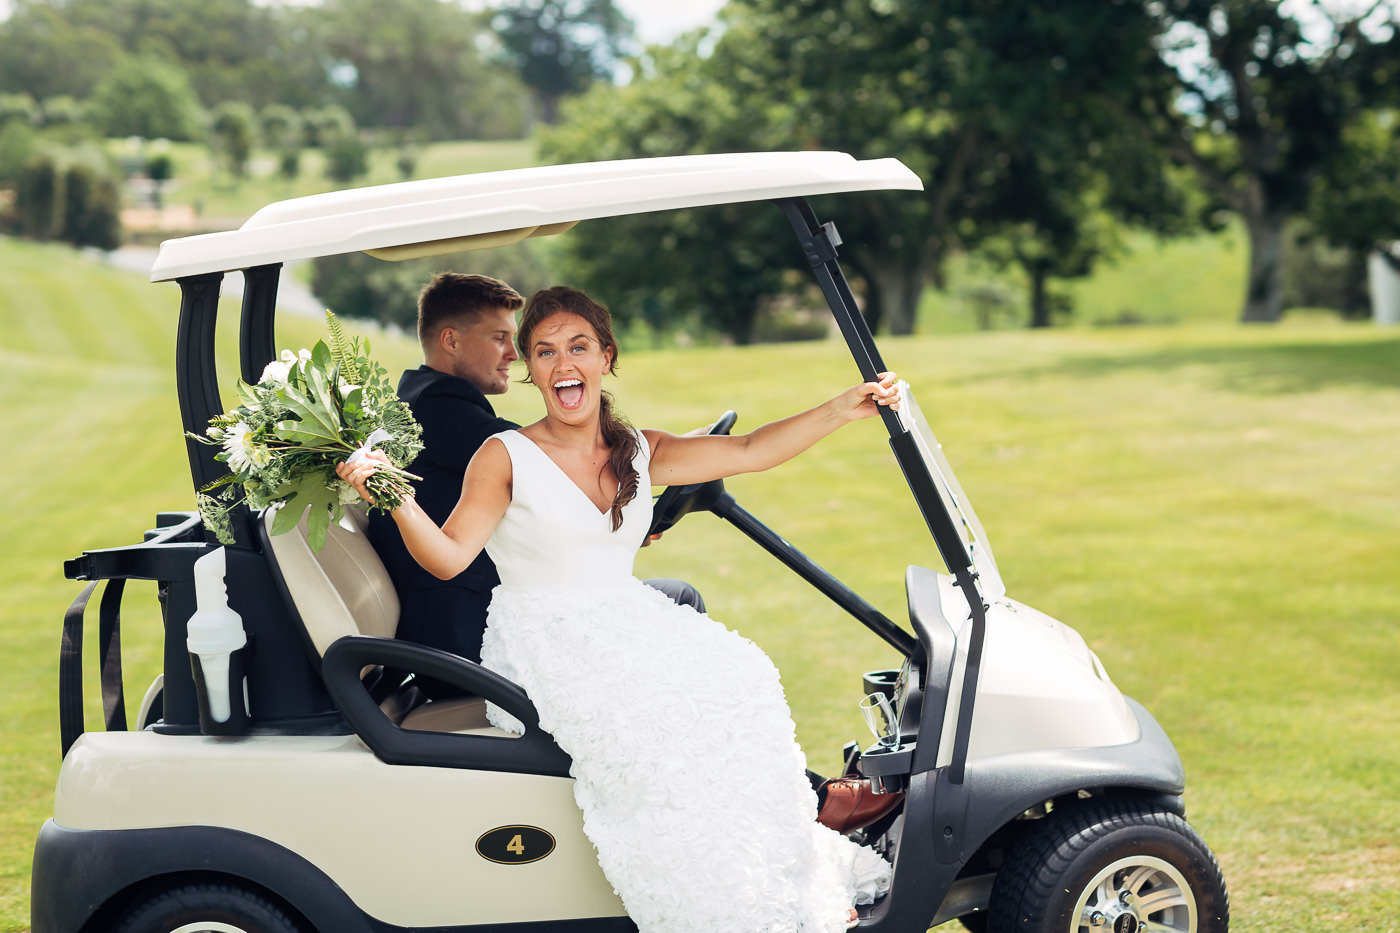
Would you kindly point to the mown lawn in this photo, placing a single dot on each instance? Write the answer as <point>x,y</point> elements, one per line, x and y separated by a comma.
<point>1213,507</point>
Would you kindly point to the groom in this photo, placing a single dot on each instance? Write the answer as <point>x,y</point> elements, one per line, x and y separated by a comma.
<point>466,326</point>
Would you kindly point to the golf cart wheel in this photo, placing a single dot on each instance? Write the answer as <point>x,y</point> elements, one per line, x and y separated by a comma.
<point>206,908</point>
<point>1111,866</point>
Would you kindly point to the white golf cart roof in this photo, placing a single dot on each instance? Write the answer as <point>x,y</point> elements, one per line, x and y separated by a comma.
<point>465,212</point>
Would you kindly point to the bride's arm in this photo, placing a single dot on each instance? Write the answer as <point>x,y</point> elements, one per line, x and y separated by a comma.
<point>678,460</point>
<point>445,552</point>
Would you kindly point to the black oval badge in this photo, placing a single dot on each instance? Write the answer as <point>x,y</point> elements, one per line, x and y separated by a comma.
<point>514,845</point>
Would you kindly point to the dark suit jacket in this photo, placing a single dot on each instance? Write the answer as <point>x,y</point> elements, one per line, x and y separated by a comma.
<point>457,419</point>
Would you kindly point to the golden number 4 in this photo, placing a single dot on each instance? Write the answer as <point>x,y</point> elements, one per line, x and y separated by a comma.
<point>516,845</point>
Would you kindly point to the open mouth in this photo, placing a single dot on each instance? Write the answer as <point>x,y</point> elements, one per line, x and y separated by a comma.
<point>569,392</point>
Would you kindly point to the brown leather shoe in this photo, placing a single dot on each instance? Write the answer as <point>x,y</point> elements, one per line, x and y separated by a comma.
<point>852,804</point>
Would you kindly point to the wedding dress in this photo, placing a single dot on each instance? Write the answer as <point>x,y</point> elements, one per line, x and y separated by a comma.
<point>685,759</point>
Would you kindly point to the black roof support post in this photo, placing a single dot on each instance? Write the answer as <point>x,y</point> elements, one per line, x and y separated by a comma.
<point>256,342</point>
<point>196,375</point>
<point>950,796</point>
<point>197,385</point>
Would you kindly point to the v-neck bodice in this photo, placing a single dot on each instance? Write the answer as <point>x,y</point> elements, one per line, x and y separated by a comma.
<point>553,536</point>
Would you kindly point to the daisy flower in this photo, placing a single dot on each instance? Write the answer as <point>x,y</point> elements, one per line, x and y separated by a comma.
<point>242,448</point>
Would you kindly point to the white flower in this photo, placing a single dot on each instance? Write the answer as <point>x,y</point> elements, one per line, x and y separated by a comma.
<point>243,451</point>
<point>276,371</point>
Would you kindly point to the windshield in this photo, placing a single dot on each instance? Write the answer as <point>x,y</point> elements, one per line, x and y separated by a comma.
<point>954,499</point>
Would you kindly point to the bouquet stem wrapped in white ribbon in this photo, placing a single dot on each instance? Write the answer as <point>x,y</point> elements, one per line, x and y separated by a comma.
<point>309,411</point>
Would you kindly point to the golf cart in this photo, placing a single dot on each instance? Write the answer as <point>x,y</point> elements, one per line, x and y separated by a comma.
<point>1034,795</point>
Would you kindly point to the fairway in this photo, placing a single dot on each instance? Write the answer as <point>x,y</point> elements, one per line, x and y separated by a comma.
<point>1215,508</point>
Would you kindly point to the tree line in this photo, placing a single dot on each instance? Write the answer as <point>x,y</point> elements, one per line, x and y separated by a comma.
<point>1044,129</point>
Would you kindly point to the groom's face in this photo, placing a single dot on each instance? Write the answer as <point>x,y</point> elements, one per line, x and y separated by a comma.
<point>482,351</point>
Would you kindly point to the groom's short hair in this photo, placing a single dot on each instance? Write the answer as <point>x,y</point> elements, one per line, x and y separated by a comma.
<point>456,299</point>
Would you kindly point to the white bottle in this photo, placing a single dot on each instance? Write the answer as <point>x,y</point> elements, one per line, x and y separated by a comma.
<point>214,632</point>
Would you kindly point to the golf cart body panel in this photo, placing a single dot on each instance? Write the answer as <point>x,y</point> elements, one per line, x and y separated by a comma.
<point>1000,712</point>
<point>292,791</point>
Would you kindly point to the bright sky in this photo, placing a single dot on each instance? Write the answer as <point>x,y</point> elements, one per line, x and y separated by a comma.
<point>660,21</point>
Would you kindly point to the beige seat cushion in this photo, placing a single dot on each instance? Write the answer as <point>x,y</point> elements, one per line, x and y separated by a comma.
<point>343,589</point>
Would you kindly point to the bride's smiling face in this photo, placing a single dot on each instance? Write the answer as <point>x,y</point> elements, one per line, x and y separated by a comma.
<point>567,363</point>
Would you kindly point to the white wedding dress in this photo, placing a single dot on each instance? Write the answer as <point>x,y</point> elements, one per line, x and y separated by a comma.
<point>685,760</point>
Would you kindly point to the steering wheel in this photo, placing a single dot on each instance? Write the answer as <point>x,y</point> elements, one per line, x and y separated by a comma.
<point>676,502</point>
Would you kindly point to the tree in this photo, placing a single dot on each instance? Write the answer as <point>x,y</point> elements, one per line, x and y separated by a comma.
<point>39,197</point>
<point>228,48</point>
<point>19,107</point>
<point>45,52</point>
<point>971,94</point>
<point>62,110</point>
<point>1257,97</point>
<point>325,125</point>
<point>91,205</point>
<point>361,286</point>
<point>160,168</point>
<point>1355,202</point>
<point>421,67</point>
<point>233,129</point>
<point>281,127</point>
<point>347,158</point>
<point>147,97</point>
<point>560,47</point>
<point>716,267</point>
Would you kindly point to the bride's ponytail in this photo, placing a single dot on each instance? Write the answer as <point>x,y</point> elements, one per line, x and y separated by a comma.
<point>620,437</point>
<point>618,434</point>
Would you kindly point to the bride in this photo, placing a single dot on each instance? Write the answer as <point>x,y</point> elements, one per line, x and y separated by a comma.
<point>685,759</point>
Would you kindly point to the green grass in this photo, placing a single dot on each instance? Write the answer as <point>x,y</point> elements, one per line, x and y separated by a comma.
<point>1193,280</point>
<point>1214,508</point>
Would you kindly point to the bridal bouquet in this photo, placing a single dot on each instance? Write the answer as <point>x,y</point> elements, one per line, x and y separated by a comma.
<point>309,411</point>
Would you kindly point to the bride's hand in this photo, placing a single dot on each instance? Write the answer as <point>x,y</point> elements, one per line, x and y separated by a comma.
<point>866,399</point>
<point>360,470</point>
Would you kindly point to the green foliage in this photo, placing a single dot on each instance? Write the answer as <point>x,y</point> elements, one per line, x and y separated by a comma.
<point>325,125</point>
<point>70,195</point>
<point>228,48</point>
<point>39,197</point>
<point>63,110</point>
<point>306,414</point>
<point>19,108</point>
<point>356,285</point>
<point>47,51</point>
<point>347,158</point>
<point>1259,99</point>
<point>1355,202</point>
<point>17,143</point>
<point>561,47</point>
<point>233,126</point>
<point>423,67</point>
<point>281,127</point>
<point>147,97</point>
<point>289,164</point>
<point>91,205</point>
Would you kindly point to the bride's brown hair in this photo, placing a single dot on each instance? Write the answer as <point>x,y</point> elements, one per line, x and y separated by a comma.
<point>617,432</point>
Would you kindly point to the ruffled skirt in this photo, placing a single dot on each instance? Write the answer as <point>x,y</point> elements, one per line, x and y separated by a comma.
<point>685,761</point>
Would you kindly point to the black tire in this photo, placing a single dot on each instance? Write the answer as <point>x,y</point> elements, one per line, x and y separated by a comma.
<point>1126,861</point>
<point>206,908</point>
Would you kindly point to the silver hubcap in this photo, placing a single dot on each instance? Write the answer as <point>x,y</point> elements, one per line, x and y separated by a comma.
<point>208,926</point>
<point>1140,894</point>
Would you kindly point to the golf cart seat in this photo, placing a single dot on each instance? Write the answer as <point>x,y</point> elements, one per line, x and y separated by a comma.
<point>343,590</point>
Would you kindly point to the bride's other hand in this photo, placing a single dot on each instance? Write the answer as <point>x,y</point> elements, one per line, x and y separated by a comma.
<point>867,399</point>
<point>356,472</point>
